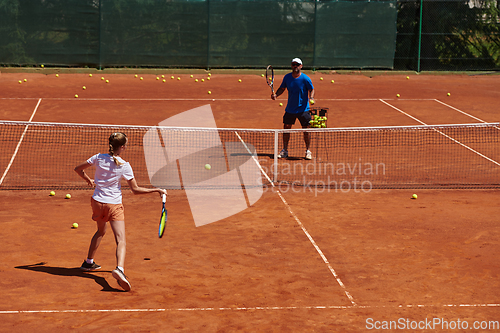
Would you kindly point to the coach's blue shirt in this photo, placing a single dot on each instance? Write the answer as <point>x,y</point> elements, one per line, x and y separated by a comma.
<point>298,92</point>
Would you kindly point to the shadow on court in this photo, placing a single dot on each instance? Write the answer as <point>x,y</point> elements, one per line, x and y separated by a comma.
<point>63,271</point>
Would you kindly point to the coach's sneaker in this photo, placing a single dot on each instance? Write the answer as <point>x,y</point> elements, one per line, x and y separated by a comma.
<point>89,267</point>
<point>283,153</point>
<point>309,155</point>
<point>121,278</point>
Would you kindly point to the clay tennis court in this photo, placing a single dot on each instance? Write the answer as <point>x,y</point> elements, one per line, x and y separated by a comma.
<point>295,261</point>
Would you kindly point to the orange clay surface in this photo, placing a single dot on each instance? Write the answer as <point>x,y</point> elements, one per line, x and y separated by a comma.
<point>305,261</point>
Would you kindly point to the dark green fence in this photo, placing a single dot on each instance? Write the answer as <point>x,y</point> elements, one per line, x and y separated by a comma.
<point>415,35</point>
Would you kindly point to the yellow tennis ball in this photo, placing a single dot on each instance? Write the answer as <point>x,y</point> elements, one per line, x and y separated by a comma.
<point>191,75</point>
<point>135,75</point>
<point>333,81</point>
<point>414,196</point>
<point>209,92</point>
<point>20,81</point>
<point>208,78</point>
<point>52,193</point>
<point>321,78</point>
<point>107,81</point>
<point>25,80</point>
<point>164,80</point>
<point>90,75</point>
<point>448,94</point>
<point>68,196</point>
<point>397,95</point>
<point>195,80</point>
<point>311,101</point>
<point>42,66</point>
<point>102,78</point>
<point>262,75</point>
<point>172,77</point>
<point>157,78</point>
<point>239,80</point>
<point>76,96</point>
<point>209,74</point>
<point>142,78</point>
<point>162,76</point>
<point>202,80</point>
<point>57,75</point>
<point>281,104</point>
<point>84,87</point>
<point>208,166</point>
<point>407,77</point>
<point>178,78</point>
<point>75,225</point>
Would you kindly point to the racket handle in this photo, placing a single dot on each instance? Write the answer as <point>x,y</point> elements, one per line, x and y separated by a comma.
<point>164,198</point>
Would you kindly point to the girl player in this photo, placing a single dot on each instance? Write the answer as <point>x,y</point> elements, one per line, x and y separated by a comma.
<point>106,201</point>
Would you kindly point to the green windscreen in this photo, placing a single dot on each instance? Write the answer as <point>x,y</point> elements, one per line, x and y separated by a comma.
<point>198,33</point>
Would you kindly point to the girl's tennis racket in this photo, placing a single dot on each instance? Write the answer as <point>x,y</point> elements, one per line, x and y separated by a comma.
<point>270,77</point>
<point>163,219</point>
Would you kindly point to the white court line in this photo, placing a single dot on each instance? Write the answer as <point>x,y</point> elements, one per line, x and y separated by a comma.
<point>465,113</point>
<point>325,260</point>
<point>19,144</point>
<point>447,136</point>
<point>259,308</point>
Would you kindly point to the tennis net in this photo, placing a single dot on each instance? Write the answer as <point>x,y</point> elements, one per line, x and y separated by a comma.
<point>37,156</point>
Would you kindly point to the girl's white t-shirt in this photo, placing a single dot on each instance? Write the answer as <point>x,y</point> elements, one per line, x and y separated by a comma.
<point>108,177</point>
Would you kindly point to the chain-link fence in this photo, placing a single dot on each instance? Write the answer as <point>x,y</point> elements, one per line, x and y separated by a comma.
<point>448,35</point>
<point>404,34</point>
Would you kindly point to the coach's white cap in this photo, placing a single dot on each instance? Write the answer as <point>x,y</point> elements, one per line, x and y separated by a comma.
<point>297,60</point>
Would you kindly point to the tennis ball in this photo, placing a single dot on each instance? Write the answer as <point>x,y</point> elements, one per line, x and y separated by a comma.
<point>68,196</point>
<point>448,94</point>
<point>202,80</point>
<point>25,80</point>
<point>195,80</point>
<point>42,66</point>
<point>321,78</point>
<point>90,75</point>
<point>209,92</point>
<point>135,75</point>
<point>164,80</point>
<point>191,76</point>
<point>262,75</point>
<point>107,81</point>
<point>157,78</point>
<point>172,77</point>
<point>208,166</point>
<point>163,76</point>
<point>20,81</point>
<point>407,77</point>
<point>414,196</point>
<point>102,78</point>
<point>75,225</point>
<point>281,104</point>
<point>311,101</point>
<point>76,96</point>
<point>208,78</point>
<point>52,193</point>
<point>84,88</point>
<point>239,80</point>
<point>333,81</point>
<point>179,78</point>
<point>209,74</point>
<point>57,75</point>
<point>397,95</point>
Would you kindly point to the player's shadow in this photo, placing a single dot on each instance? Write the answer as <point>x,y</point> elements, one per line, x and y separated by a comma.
<point>63,271</point>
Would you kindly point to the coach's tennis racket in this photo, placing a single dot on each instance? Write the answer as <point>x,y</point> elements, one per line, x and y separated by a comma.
<point>163,219</point>
<point>270,77</point>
